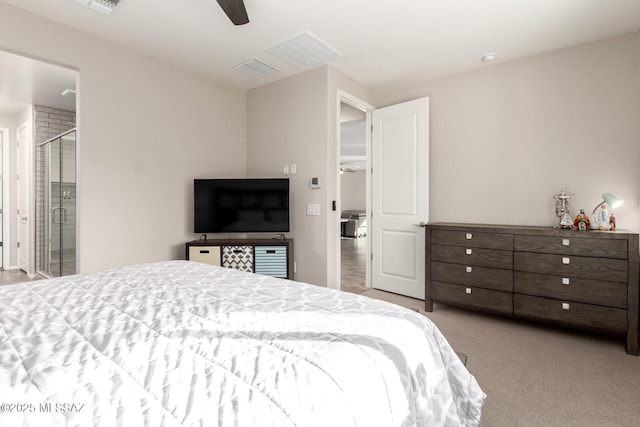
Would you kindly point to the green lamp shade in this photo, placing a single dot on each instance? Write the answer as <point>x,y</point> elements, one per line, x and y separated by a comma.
<point>612,201</point>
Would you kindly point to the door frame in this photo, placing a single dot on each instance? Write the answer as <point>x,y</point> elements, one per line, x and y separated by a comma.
<point>347,98</point>
<point>25,148</point>
<point>5,173</point>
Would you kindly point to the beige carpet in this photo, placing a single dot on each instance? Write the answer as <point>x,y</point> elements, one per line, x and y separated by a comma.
<point>536,375</point>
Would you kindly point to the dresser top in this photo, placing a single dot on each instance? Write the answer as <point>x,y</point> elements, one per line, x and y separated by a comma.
<point>534,230</point>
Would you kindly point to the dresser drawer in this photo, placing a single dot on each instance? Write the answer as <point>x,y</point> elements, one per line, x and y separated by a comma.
<point>572,314</point>
<point>614,270</point>
<point>489,301</point>
<point>593,247</point>
<point>472,239</point>
<point>612,294</point>
<point>482,277</point>
<point>472,256</point>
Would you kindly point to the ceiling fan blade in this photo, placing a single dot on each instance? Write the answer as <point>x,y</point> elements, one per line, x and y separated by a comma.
<point>235,10</point>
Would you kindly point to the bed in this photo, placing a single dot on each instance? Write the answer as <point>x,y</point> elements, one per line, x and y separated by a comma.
<point>180,343</point>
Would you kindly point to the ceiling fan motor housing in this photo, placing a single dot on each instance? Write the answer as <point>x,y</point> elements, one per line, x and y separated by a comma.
<point>235,10</point>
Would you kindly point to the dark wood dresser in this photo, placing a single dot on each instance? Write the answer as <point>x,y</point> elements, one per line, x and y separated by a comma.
<point>585,280</point>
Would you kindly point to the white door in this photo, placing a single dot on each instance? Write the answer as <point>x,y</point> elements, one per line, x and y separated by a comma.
<point>400,197</point>
<point>23,198</point>
<point>1,199</point>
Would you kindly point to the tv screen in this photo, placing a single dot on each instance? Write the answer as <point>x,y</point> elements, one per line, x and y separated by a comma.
<point>243,205</point>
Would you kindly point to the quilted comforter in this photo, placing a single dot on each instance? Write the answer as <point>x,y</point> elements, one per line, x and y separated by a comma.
<point>185,344</point>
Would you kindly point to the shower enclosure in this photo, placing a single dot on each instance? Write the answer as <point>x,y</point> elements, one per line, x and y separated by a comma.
<point>56,206</point>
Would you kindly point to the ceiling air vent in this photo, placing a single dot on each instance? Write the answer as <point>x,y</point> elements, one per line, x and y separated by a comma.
<point>255,68</point>
<point>104,6</point>
<point>305,51</point>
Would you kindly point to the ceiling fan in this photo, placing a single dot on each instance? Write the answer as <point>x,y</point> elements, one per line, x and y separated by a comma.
<point>344,167</point>
<point>235,10</point>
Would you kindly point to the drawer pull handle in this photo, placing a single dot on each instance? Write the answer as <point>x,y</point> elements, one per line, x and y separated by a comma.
<point>469,251</point>
<point>469,269</point>
<point>468,291</point>
<point>270,251</point>
<point>565,280</point>
<point>469,236</point>
<point>566,306</point>
<point>566,260</point>
<point>565,242</point>
<point>204,251</point>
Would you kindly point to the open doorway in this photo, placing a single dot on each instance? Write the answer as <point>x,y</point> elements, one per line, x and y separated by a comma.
<point>353,154</point>
<point>37,102</point>
<point>397,157</point>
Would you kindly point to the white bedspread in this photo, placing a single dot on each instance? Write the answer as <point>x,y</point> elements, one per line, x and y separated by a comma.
<point>181,343</point>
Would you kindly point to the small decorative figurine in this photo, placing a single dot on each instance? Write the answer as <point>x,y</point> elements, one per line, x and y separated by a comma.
<point>582,222</point>
<point>603,219</point>
<point>565,221</point>
<point>562,209</point>
<point>612,222</point>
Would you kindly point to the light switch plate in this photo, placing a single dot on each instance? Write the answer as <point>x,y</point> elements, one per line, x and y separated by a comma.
<point>313,209</point>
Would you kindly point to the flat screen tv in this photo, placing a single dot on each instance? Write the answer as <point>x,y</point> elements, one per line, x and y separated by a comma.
<point>241,205</point>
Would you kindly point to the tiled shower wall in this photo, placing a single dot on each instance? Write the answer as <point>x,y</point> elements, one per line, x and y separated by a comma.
<point>49,123</point>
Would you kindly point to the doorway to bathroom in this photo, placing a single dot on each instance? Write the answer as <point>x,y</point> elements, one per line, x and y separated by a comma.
<point>37,104</point>
<point>56,200</point>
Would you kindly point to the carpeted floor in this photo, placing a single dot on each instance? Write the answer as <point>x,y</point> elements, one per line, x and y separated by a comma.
<point>537,375</point>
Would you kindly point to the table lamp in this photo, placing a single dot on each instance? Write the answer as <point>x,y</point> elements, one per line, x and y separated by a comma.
<point>608,199</point>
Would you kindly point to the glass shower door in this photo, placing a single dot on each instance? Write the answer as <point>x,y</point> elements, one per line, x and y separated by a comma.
<point>59,196</point>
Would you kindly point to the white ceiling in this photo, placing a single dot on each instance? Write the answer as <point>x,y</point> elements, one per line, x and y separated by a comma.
<point>25,81</point>
<point>385,44</point>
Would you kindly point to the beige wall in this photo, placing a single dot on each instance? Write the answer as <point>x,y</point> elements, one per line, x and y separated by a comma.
<point>295,120</point>
<point>287,123</point>
<point>505,139</point>
<point>145,130</point>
